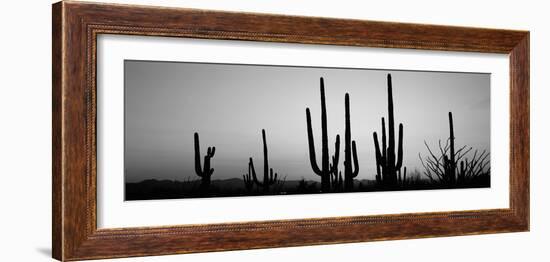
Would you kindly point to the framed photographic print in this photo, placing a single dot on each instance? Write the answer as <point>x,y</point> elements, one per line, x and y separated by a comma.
<point>173,127</point>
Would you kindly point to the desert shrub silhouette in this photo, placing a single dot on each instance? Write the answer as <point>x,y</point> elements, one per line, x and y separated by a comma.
<point>452,167</point>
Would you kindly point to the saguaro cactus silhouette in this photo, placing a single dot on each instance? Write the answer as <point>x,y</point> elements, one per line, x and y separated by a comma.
<point>325,171</point>
<point>269,177</point>
<point>387,165</point>
<point>336,180</point>
<point>349,149</point>
<point>206,172</point>
<point>402,180</point>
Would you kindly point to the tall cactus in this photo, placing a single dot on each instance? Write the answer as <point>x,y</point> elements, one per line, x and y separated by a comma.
<point>450,162</point>
<point>269,178</point>
<point>349,149</point>
<point>386,163</point>
<point>325,171</point>
<point>206,172</point>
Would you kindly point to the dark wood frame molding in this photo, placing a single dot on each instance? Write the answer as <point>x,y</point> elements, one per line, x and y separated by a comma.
<point>75,28</point>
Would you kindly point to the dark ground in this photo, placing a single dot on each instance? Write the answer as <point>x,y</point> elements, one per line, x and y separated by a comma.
<point>169,189</point>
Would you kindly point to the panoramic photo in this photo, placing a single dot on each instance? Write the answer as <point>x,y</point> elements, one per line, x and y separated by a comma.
<point>197,130</point>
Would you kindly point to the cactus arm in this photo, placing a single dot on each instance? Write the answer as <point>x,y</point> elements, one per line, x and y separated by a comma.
<point>210,156</point>
<point>377,148</point>
<point>252,171</point>
<point>355,160</point>
<point>204,172</point>
<point>334,164</point>
<point>400,148</point>
<point>391,130</point>
<point>399,176</point>
<point>378,156</point>
<point>269,177</point>
<point>311,143</point>
<point>384,147</point>
<point>380,151</point>
<point>206,167</point>
<point>211,151</point>
<point>198,167</point>
<point>324,133</point>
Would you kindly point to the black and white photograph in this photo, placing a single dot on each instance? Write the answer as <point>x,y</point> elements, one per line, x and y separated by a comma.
<point>197,130</point>
<point>271,131</point>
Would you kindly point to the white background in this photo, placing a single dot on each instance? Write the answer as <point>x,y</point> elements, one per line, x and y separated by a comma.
<point>25,146</point>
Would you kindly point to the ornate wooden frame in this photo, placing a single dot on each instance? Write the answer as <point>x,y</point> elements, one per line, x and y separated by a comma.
<point>76,26</point>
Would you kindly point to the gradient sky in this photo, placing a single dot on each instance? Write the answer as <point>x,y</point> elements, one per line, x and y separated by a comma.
<point>229,105</point>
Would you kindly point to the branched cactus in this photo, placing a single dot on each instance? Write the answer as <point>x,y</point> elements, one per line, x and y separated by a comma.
<point>449,160</point>
<point>349,149</point>
<point>269,177</point>
<point>204,172</point>
<point>387,166</point>
<point>248,181</point>
<point>325,171</point>
<point>337,182</point>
